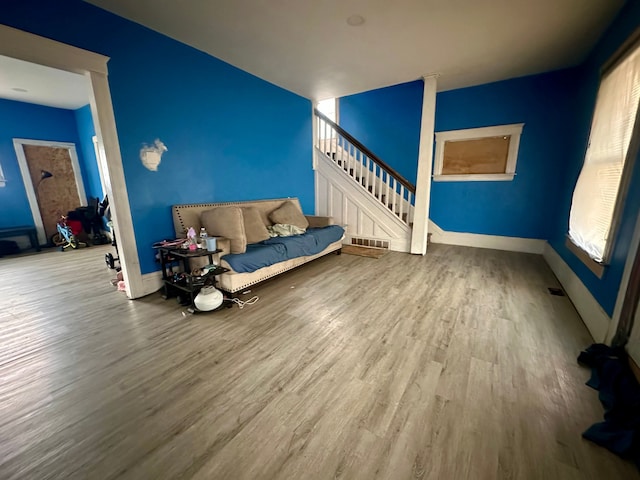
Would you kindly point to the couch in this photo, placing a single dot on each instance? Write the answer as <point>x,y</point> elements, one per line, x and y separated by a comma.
<point>191,215</point>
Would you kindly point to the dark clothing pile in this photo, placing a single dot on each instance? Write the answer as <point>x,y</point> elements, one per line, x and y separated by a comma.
<point>619,393</point>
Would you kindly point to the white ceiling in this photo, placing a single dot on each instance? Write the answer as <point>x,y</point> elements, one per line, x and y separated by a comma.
<point>43,85</point>
<point>307,47</point>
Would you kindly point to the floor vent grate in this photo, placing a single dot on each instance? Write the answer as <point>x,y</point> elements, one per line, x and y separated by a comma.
<point>556,291</point>
<point>369,242</point>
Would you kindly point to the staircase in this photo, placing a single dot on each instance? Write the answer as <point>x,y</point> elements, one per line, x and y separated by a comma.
<point>373,201</point>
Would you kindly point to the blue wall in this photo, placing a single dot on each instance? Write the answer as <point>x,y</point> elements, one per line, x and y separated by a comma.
<point>605,290</point>
<point>387,121</point>
<point>88,160</point>
<point>524,206</point>
<point>519,208</point>
<point>33,122</point>
<point>230,135</point>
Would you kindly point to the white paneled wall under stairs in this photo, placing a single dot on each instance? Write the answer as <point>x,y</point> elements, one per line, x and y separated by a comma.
<point>361,192</point>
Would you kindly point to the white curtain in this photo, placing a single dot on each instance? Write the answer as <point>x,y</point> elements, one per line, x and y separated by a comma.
<point>594,197</point>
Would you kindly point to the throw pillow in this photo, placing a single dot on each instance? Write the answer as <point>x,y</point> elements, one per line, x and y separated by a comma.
<point>290,214</point>
<point>226,222</point>
<point>254,227</point>
<point>282,230</point>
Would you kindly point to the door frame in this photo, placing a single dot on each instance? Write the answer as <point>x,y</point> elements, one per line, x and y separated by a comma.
<point>102,163</point>
<point>18,145</point>
<point>26,46</point>
<point>632,257</point>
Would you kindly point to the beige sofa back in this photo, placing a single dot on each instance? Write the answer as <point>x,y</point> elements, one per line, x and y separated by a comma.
<point>185,216</point>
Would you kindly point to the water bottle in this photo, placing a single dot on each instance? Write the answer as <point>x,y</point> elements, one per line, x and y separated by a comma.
<point>203,238</point>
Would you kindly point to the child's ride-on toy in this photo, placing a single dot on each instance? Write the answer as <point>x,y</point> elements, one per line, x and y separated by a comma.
<point>66,236</point>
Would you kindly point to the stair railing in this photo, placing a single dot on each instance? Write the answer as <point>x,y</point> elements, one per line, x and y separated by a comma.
<point>374,175</point>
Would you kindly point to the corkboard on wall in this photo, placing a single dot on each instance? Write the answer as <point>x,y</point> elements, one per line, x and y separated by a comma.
<point>58,194</point>
<point>477,156</point>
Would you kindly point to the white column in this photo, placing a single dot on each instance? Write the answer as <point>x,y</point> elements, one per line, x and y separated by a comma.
<point>425,160</point>
<point>315,138</point>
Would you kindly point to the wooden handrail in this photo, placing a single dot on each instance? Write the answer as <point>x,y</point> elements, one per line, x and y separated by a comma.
<point>367,152</point>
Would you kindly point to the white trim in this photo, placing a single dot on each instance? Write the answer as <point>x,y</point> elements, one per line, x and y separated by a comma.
<point>18,145</point>
<point>44,51</point>
<point>105,125</point>
<point>624,284</point>
<point>101,160</point>
<point>425,159</point>
<point>593,316</point>
<point>152,282</point>
<point>33,48</point>
<point>3,180</point>
<point>314,135</point>
<point>477,240</point>
<point>514,130</point>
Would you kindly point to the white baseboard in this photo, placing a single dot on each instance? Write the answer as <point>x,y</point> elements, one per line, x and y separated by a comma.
<point>22,241</point>
<point>495,242</point>
<point>151,283</point>
<point>593,316</point>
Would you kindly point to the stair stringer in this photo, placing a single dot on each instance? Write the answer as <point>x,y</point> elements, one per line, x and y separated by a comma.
<point>352,206</point>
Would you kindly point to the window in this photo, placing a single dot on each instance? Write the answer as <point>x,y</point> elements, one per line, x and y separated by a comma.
<point>329,108</point>
<point>477,154</point>
<point>601,186</point>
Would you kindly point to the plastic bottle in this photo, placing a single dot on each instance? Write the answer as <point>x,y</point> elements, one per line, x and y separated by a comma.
<point>203,237</point>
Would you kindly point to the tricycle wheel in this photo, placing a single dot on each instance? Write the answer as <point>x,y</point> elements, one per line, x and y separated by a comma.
<point>57,240</point>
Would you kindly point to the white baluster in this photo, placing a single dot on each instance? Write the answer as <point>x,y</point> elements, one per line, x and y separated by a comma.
<point>345,154</point>
<point>401,201</point>
<point>394,197</point>
<point>386,196</point>
<point>325,136</point>
<point>379,182</point>
<point>332,150</point>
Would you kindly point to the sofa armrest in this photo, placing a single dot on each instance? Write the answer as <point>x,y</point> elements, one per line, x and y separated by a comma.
<point>223,244</point>
<point>317,221</point>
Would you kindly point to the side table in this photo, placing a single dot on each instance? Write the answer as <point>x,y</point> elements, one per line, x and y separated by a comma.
<point>183,285</point>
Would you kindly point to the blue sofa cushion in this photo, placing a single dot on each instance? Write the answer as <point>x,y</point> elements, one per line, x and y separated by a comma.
<point>279,249</point>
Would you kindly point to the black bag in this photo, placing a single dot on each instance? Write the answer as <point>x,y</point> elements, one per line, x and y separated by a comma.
<point>8,247</point>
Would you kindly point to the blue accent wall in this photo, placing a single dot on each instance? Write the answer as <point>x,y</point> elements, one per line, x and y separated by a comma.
<point>605,290</point>
<point>230,135</point>
<point>33,122</point>
<point>522,207</point>
<point>88,160</point>
<point>387,122</point>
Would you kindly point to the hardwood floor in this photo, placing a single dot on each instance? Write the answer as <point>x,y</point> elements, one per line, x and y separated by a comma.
<point>455,365</point>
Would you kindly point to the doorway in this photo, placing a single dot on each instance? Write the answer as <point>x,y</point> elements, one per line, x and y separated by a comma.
<point>26,46</point>
<point>52,178</point>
